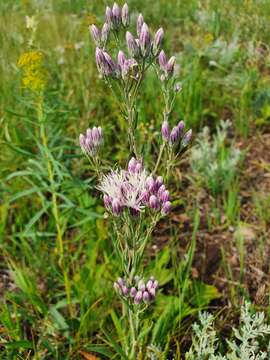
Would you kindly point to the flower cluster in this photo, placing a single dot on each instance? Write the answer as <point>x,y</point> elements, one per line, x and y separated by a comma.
<point>134,190</point>
<point>91,141</point>
<point>34,73</point>
<point>140,292</point>
<point>176,134</point>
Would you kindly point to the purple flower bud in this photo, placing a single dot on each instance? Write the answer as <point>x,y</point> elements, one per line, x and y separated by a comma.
<point>132,46</point>
<point>153,202</point>
<point>166,208</point>
<point>132,165</point>
<point>161,190</point>
<point>121,58</point>
<point>165,130</point>
<point>116,16</point>
<point>155,284</point>
<point>145,196</point>
<point>121,281</point>
<point>174,137</point>
<point>125,15</point>
<point>158,41</point>
<point>159,182</point>
<point>170,65</point>
<point>138,167</point>
<point>180,127</point>
<point>116,207</point>
<point>108,15</point>
<point>107,201</point>
<point>140,22</point>
<point>141,285</point>
<point>162,59</point>
<point>94,31</point>
<point>149,284</point>
<point>138,298</point>
<point>109,61</point>
<point>145,41</point>
<point>146,297</point>
<point>150,183</point>
<point>95,135</point>
<point>152,292</point>
<point>105,31</point>
<point>125,290</point>
<point>165,196</point>
<point>187,137</point>
<point>100,60</point>
<point>133,292</point>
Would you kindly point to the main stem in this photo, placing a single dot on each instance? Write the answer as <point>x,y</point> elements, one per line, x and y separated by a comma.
<point>55,209</point>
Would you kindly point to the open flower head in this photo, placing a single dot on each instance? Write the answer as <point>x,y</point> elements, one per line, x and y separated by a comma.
<point>135,190</point>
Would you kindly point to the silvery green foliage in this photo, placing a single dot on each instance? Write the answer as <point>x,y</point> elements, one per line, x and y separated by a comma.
<point>249,340</point>
<point>213,162</point>
<point>204,341</point>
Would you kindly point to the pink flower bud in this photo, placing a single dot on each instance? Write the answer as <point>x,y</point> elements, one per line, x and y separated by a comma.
<point>133,292</point>
<point>140,22</point>
<point>170,65</point>
<point>161,189</point>
<point>138,298</point>
<point>108,15</point>
<point>165,130</point>
<point>105,31</point>
<point>150,183</point>
<point>165,196</point>
<point>187,137</point>
<point>158,41</point>
<point>153,202</point>
<point>174,136</point>
<point>166,208</point>
<point>125,15</point>
<point>121,281</point>
<point>162,59</point>
<point>132,45</point>
<point>132,165</point>
<point>145,196</point>
<point>121,58</point>
<point>141,285</point>
<point>94,31</point>
<point>146,297</point>
<point>159,182</point>
<point>145,40</point>
<point>124,290</point>
<point>116,16</point>
<point>100,60</point>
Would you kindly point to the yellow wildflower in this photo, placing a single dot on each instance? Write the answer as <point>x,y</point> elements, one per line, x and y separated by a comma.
<point>34,73</point>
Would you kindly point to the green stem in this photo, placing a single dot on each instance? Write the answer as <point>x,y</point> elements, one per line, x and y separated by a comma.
<point>55,209</point>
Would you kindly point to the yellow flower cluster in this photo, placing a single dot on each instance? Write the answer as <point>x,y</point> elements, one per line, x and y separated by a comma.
<point>34,73</point>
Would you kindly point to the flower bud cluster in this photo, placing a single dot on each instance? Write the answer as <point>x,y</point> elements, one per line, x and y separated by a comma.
<point>134,190</point>
<point>177,133</point>
<point>114,18</point>
<point>139,48</point>
<point>139,293</point>
<point>91,141</point>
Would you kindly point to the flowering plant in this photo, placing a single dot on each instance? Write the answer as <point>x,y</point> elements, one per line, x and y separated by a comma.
<point>135,198</point>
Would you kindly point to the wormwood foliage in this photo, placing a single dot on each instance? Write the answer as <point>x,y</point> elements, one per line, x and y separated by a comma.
<point>213,162</point>
<point>251,340</point>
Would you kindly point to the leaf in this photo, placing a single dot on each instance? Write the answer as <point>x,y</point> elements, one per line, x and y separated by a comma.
<point>100,349</point>
<point>203,293</point>
<point>88,356</point>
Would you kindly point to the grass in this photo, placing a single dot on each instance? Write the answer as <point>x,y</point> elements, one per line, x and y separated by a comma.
<point>57,264</point>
